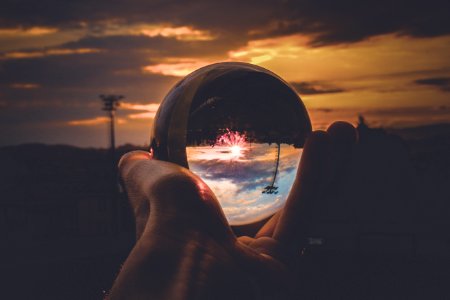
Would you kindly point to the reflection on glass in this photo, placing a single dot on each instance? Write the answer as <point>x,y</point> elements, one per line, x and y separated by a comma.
<point>241,129</point>
<point>251,180</point>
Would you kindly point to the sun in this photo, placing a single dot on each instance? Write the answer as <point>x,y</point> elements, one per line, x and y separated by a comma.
<point>234,144</point>
<point>236,150</point>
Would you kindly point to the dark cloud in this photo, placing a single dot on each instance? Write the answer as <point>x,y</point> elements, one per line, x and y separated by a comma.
<point>79,75</point>
<point>116,64</point>
<point>315,88</point>
<point>349,21</point>
<point>69,86</point>
<point>330,21</point>
<point>443,83</point>
<point>160,46</point>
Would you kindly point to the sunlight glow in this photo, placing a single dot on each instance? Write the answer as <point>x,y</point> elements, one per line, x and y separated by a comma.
<point>236,150</point>
<point>234,142</point>
<point>183,33</point>
<point>179,69</point>
<point>166,30</point>
<point>151,107</point>
<point>89,122</point>
<point>94,121</point>
<point>50,52</point>
<point>33,31</point>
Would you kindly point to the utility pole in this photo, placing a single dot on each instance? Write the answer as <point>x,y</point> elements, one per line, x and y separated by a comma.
<point>272,189</point>
<point>110,104</point>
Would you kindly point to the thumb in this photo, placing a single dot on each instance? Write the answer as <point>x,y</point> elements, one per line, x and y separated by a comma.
<point>165,196</point>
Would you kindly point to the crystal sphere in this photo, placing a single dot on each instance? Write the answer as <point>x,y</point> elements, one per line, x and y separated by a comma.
<point>240,128</point>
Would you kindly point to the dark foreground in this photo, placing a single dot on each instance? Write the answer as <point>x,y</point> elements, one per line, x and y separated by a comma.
<point>382,231</point>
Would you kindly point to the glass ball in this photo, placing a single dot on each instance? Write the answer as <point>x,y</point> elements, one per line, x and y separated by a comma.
<point>240,128</point>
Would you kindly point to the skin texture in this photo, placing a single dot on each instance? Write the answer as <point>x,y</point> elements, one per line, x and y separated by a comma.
<point>185,248</point>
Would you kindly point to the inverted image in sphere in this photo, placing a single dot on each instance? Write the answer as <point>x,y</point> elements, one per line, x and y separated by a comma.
<point>241,128</point>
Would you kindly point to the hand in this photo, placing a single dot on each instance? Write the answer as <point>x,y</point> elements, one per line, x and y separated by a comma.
<point>185,248</point>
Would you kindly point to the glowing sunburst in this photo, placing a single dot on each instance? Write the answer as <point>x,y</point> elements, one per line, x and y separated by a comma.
<point>236,150</point>
<point>234,142</point>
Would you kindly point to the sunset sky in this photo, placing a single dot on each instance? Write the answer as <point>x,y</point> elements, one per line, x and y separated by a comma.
<point>389,60</point>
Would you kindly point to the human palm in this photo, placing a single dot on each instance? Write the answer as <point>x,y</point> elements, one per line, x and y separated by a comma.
<point>185,248</point>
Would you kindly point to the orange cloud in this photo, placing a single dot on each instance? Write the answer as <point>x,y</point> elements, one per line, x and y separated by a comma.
<point>146,115</point>
<point>259,51</point>
<point>185,33</point>
<point>182,33</point>
<point>94,121</point>
<point>25,86</point>
<point>180,68</point>
<point>49,52</point>
<point>33,31</point>
<point>149,110</point>
<point>89,122</point>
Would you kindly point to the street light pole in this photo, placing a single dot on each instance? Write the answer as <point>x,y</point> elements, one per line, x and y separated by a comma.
<point>110,104</point>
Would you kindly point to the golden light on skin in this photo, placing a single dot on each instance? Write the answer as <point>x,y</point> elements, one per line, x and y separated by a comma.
<point>43,53</point>
<point>25,86</point>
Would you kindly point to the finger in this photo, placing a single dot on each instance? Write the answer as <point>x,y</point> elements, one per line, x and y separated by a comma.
<point>343,133</point>
<point>268,228</point>
<point>343,136</point>
<point>328,159</point>
<point>172,196</point>
<point>246,240</point>
<point>314,168</point>
<point>139,204</point>
<point>272,247</point>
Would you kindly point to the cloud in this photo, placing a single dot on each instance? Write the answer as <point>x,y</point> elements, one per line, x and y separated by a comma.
<point>75,76</point>
<point>70,52</point>
<point>148,111</point>
<point>338,22</point>
<point>443,83</point>
<point>48,52</point>
<point>33,31</point>
<point>183,33</point>
<point>25,86</point>
<point>328,22</point>
<point>89,122</point>
<point>93,121</point>
<point>179,68</point>
<point>158,46</point>
<point>315,88</point>
<point>262,50</point>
